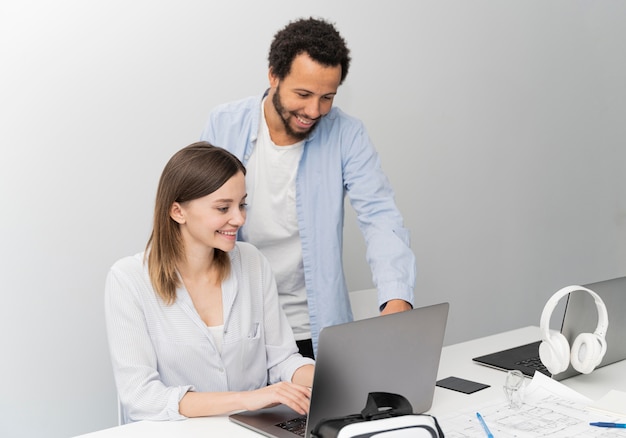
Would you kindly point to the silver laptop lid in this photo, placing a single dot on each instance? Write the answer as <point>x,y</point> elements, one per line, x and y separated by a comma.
<point>581,317</point>
<point>397,353</point>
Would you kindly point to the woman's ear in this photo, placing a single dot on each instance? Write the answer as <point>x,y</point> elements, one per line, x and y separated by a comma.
<point>177,213</point>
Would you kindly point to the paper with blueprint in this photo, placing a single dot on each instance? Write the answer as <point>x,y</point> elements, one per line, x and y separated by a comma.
<point>549,409</point>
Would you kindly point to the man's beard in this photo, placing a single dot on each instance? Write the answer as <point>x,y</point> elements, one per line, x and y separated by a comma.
<point>280,109</point>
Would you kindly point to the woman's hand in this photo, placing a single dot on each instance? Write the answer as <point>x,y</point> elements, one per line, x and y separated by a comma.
<point>297,397</point>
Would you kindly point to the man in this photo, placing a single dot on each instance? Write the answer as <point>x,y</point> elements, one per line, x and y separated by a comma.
<point>303,155</point>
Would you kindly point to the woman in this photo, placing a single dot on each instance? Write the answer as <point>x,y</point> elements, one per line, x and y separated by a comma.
<point>193,323</point>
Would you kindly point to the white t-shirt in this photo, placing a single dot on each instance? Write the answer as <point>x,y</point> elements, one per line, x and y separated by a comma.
<point>272,223</point>
<point>217,331</point>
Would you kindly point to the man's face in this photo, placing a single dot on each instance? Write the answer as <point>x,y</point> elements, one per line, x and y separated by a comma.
<point>303,97</point>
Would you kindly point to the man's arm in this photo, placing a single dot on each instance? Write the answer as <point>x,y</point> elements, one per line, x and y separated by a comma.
<point>388,250</point>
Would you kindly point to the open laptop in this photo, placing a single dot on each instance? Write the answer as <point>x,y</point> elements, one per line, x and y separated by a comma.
<point>580,317</point>
<point>397,353</point>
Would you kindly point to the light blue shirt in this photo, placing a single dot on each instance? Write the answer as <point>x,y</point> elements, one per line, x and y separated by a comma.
<point>160,351</point>
<point>338,159</point>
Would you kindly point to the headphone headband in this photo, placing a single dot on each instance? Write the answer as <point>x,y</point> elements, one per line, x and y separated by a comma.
<point>603,317</point>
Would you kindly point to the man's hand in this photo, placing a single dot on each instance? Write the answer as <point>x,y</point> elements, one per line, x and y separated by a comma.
<point>395,306</point>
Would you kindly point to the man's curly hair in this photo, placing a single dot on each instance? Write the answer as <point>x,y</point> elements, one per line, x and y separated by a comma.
<point>318,38</point>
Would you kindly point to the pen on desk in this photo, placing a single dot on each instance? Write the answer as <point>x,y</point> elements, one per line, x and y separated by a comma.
<point>482,422</point>
<point>602,424</point>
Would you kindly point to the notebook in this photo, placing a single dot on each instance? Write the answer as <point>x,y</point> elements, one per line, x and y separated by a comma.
<point>397,353</point>
<point>580,317</point>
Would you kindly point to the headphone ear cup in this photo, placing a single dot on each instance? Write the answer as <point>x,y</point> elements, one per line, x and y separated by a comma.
<point>555,353</point>
<point>587,352</point>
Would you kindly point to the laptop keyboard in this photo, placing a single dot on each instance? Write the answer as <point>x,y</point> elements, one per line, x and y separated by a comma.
<point>295,425</point>
<point>534,363</point>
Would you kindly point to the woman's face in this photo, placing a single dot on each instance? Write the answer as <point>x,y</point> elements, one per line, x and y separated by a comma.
<point>213,220</point>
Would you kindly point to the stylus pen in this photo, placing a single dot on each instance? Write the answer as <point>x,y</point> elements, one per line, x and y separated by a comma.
<point>601,424</point>
<point>482,422</point>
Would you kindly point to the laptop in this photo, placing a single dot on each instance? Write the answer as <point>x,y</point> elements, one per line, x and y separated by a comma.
<point>397,353</point>
<point>580,317</point>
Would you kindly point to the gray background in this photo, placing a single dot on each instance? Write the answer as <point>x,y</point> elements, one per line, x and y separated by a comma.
<point>499,123</point>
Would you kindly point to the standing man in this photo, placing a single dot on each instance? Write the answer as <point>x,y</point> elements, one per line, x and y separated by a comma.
<point>302,156</point>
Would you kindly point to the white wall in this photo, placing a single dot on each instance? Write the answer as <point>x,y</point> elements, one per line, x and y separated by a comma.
<point>500,124</point>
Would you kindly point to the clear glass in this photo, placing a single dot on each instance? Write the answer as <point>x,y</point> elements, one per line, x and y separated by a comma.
<point>514,388</point>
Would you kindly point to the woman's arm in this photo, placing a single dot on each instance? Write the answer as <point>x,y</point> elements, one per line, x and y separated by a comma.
<point>141,391</point>
<point>304,376</point>
<point>201,404</point>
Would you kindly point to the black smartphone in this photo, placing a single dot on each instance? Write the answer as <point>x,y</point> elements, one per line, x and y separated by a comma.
<point>462,385</point>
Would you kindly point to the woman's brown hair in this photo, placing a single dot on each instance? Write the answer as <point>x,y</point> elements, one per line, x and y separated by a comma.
<point>193,172</point>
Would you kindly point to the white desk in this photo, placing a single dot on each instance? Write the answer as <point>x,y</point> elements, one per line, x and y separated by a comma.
<point>456,360</point>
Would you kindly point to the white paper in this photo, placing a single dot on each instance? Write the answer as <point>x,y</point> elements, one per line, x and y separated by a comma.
<point>613,403</point>
<point>550,409</point>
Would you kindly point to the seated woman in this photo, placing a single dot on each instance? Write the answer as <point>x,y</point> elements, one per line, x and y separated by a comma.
<point>194,324</point>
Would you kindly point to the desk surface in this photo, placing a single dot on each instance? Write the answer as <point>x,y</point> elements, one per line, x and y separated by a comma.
<point>456,360</point>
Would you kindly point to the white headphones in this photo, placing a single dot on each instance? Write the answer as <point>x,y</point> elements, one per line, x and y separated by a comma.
<point>587,349</point>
